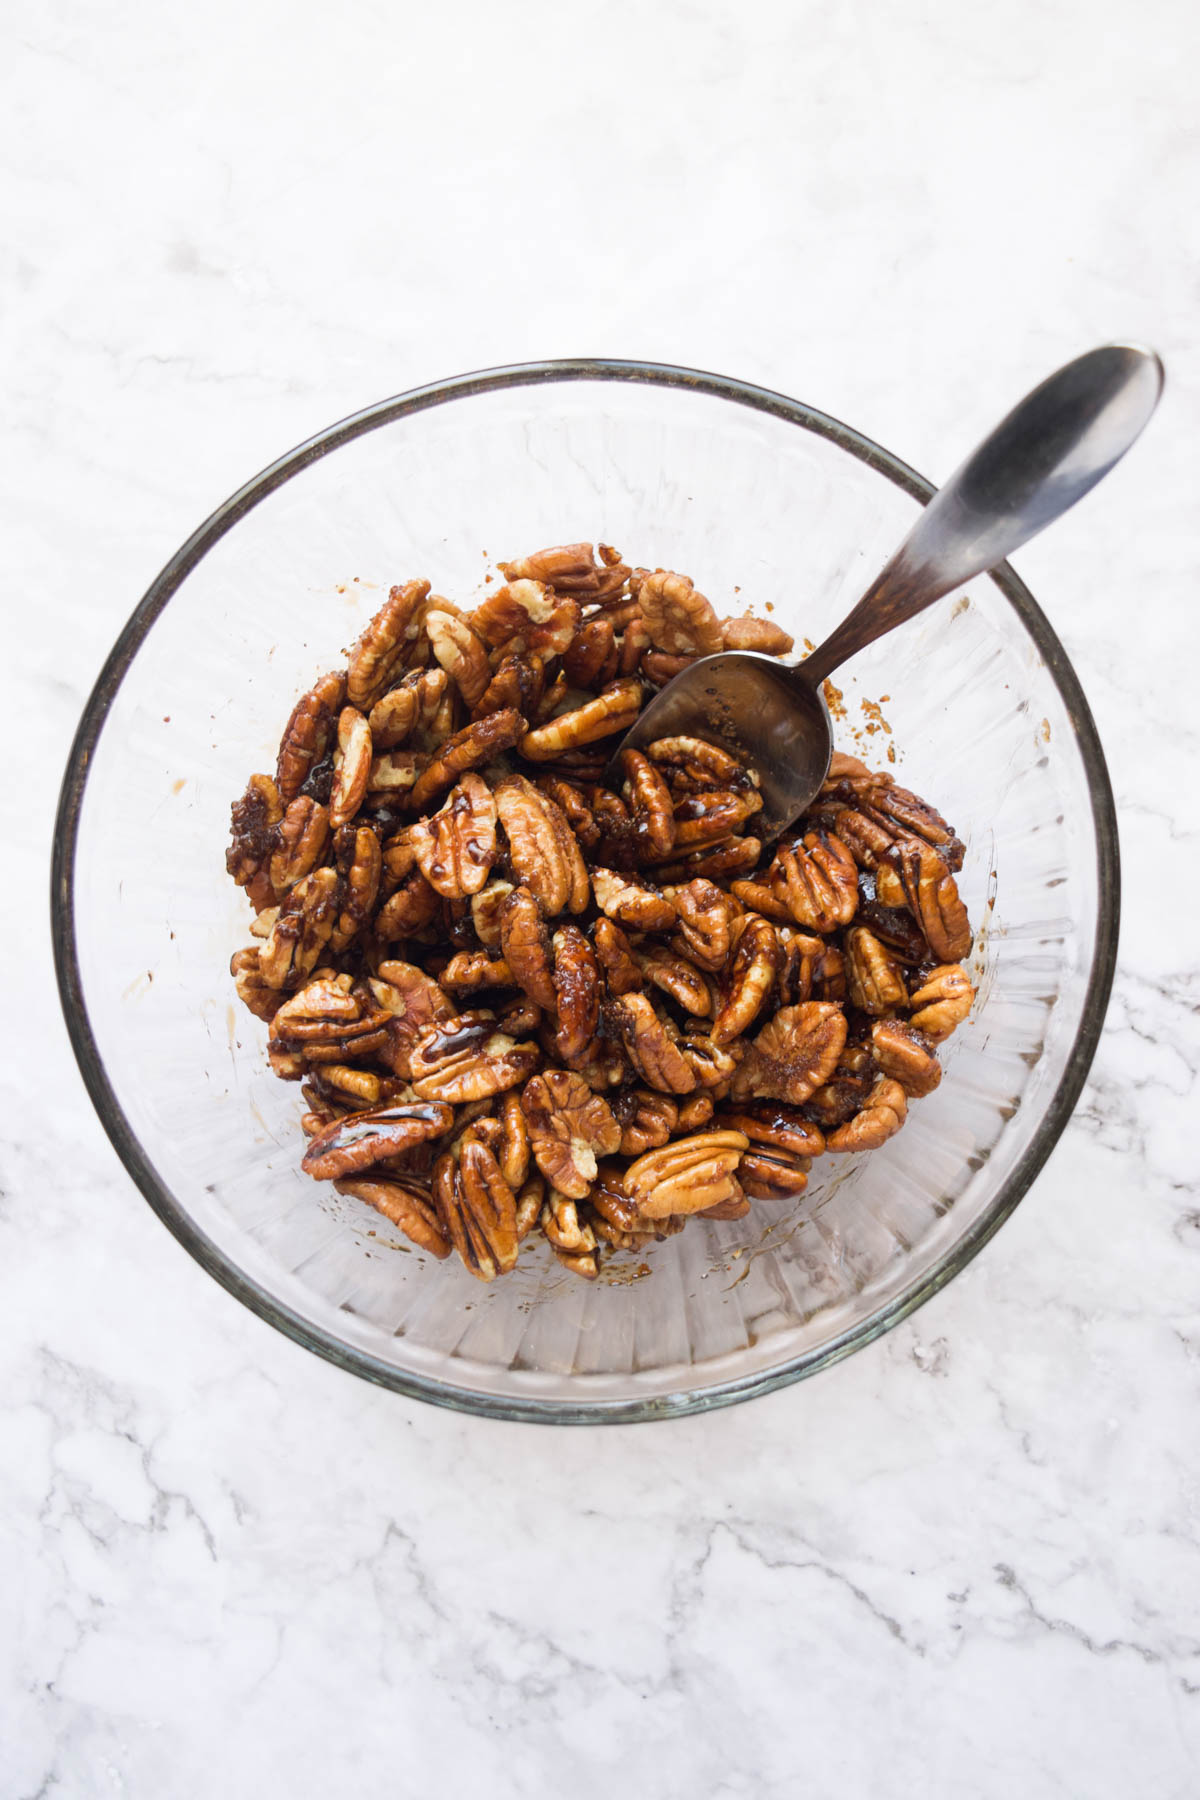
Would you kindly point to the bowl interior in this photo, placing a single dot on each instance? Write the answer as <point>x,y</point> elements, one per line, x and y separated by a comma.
<point>766,509</point>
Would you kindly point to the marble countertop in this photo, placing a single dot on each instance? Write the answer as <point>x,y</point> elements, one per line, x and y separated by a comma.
<point>965,1562</point>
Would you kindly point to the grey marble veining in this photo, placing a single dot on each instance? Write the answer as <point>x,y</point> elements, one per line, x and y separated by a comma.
<point>964,1563</point>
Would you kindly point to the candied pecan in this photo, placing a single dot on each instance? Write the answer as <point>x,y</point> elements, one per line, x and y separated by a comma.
<point>846,1090</point>
<point>932,896</point>
<point>576,991</point>
<point>455,849</point>
<point>889,893</point>
<point>688,1175</point>
<point>308,734</point>
<point>414,1003</point>
<point>660,668</point>
<point>467,1058</point>
<point>706,818</point>
<point>330,1021</point>
<point>874,980</point>
<point>485,911</point>
<point>408,910</point>
<point>590,661</point>
<point>782,1146</point>
<point>359,1139</point>
<point>646,1119</point>
<point>351,766</point>
<point>691,764</point>
<point>526,615</point>
<point>253,992</point>
<point>572,803</point>
<point>519,1016</point>
<point>472,970</point>
<point>360,864</point>
<point>710,1062</point>
<point>478,1209</point>
<point>302,930</point>
<point>695,1112</point>
<point>719,862</point>
<point>406,1203</point>
<point>651,1043</point>
<point>385,643</point>
<point>553,699</point>
<point>461,652</point>
<point>905,1055</point>
<point>748,633</point>
<point>649,801</point>
<point>880,1119</point>
<point>512,1152</point>
<point>621,971</point>
<point>399,857</point>
<point>568,1125</point>
<point>705,917</point>
<point>526,946</point>
<point>865,840</point>
<point>905,814</point>
<point>408,708</point>
<point>942,1001</point>
<point>679,618</point>
<point>301,836</point>
<point>530,1198</point>
<point>561,1226</point>
<point>631,902</point>
<point>818,880</point>
<point>518,682</point>
<point>794,1054</point>
<point>895,927</point>
<point>542,849</point>
<point>762,899</point>
<point>572,569</point>
<point>756,961</point>
<point>612,711</point>
<point>678,977</point>
<point>254,839</point>
<point>635,640</point>
<point>394,773</point>
<point>475,744</point>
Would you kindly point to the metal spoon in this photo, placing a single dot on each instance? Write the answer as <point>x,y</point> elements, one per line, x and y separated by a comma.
<point>1050,450</point>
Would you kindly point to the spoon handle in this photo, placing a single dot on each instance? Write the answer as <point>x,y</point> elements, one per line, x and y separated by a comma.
<point>1054,446</point>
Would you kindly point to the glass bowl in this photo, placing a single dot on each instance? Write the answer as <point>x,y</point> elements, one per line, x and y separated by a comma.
<point>764,502</point>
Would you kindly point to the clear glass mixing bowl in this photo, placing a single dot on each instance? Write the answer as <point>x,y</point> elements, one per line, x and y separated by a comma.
<point>761,500</point>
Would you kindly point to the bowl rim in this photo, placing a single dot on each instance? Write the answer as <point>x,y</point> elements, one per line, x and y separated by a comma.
<point>534,1409</point>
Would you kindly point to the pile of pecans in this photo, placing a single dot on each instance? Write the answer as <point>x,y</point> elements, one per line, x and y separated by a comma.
<point>520,1001</point>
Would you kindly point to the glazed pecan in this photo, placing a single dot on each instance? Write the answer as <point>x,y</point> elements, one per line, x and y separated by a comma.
<point>880,1119</point>
<point>695,1112</point>
<point>710,1063</point>
<point>473,970</point>
<point>845,1091</point>
<point>360,1139</point>
<point>478,1209</point>
<point>542,849</point>
<point>705,917</point>
<point>526,615</point>
<point>360,864</point>
<point>866,841</point>
<point>572,569</point>
<point>576,991</point>
<point>301,931</point>
<point>794,1054</point>
<point>409,709</point>
<point>689,1175</point>
<point>253,992</point>
<point>649,800</point>
<point>905,814</point>
<point>712,815</point>
<point>530,1199</point>
<point>308,734</point>
<point>485,911</point>
<point>525,943</point>
<point>659,668</point>
<point>456,848</point>
<point>932,896</point>
<point>468,1058</point>
<point>632,902</point>
<point>476,744</point>
<point>748,633</point>
<point>818,880</point>
<point>569,1126</point>
<point>351,766</point>
<point>254,839</point>
<point>590,660</point>
<point>651,1044</point>
<point>572,802</point>
<point>414,1003</point>
<point>612,711</point>
<point>394,773</point>
<point>874,979</point>
<point>573,1240</point>
<point>678,977</point>
<point>678,618</point>
<point>461,652</point>
<point>301,836</point>
<point>906,1055</point>
<point>405,1201</point>
<point>622,973</point>
<point>719,862</point>
<point>330,1021</point>
<point>409,910</point>
<point>646,1119</point>
<point>782,1146</point>
<point>894,926</point>
<point>755,963</point>
<point>518,682</point>
<point>941,1002</point>
<point>386,641</point>
<point>691,765</point>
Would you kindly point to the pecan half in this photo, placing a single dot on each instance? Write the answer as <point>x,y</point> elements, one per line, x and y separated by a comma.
<point>542,849</point>
<point>385,643</point>
<point>590,661</point>
<point>406,1203</point>
<point>409,910</point>
<point>678,618</point>
<point>905,1055</point>
<point>845,1091</point>
<point>782,1146</point>
<point>651,1044</point>
<point>302,930</point>
<point>941,1002</point>
<point>455,849</point>
<point>576,991</point>
<point>707,817</point>
<point>360,1139</point>
<point>470,971</point>
<point>475,744</point>
<point>525,943</point>
<point>646,1119</point>
<point>461,652</point>
<point>631,902</point>
<point>308,734</point>
<point>569,1126</point>
<point>572,569</point>
<point>692,764</point>
<point>649,800</point>
<point>874,980</point>
<point>254,839</point>
<point>678,977</point>
<point>485,912</point>
<point>612,711</point>
<point>705,916</point>
<point>689,1175</point>
<point>414,1003</point>
<point>818,879</point>
<point>622,973</point>
<point>409,709</point>
<point>756,961</point>
<point>360,864</point>
<point>526,615</point>
<point>351,766</point>
<point>794,1054</point>
<point>718,862</point>
<point>468,1058</point>
<point>748,633</point>
<point>518,682</point>
<point>880,1119</point>
<point>478,1210</point>
<point>302,834</point>
<point>258,995</point>
<point>932,896</point>
<point>660,668</point>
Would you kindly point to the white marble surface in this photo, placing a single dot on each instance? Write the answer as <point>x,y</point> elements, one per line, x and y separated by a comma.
<point>963,1564</point>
